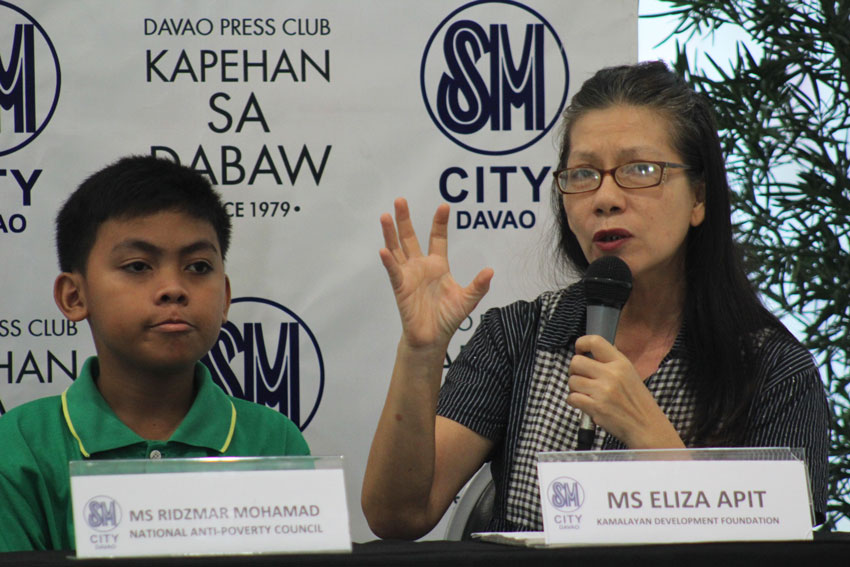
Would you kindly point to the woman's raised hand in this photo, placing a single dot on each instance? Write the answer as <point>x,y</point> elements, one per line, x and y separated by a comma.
<point>431,303</point>
<point>418,461</point>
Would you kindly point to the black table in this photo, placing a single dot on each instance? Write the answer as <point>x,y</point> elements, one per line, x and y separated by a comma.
<point>827,550</point>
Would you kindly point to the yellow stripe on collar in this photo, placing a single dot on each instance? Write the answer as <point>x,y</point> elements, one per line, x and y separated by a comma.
<point>71,425</point>
<point>229,433</point>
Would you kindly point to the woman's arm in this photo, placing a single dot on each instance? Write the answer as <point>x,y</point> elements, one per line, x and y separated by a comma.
<point>418,461</point>
<point>790,409</point>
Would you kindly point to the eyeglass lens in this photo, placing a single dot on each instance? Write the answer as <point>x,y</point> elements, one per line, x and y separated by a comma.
<point>631,175</point>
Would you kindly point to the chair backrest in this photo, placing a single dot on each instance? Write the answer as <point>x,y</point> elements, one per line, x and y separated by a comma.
<point>475,508</point>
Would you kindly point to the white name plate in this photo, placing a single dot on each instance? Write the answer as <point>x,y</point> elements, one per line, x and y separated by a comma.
<point>209,506</point>
<point>674,496</point>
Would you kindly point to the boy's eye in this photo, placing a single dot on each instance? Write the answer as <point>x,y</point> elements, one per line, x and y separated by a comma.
<point>135,267</point>
<point>200,267</point>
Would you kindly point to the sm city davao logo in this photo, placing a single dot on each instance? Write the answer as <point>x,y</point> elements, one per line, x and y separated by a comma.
<point>266,354</point>
<point>494,77</point>
<point>29,78</point>
<point>102,513</point>
<point>565,494</point>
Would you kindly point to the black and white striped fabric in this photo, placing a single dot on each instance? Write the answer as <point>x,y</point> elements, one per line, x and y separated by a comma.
<point>509,384</point>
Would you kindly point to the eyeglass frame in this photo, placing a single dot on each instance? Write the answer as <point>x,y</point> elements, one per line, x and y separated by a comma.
<point>603,172</point>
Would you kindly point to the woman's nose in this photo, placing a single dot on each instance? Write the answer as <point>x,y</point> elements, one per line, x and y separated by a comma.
<point>610,197</point>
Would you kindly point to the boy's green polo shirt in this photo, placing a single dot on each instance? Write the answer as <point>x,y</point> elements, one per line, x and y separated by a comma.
<point>38,439</point>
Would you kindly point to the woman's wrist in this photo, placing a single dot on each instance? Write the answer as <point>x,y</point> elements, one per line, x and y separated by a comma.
<point>662,436</point>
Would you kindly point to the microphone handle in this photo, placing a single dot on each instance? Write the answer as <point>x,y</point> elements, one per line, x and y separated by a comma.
<point>602,320</point>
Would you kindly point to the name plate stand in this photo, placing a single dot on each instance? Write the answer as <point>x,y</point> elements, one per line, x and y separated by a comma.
<point>674,496</point>
<point>215,506</point>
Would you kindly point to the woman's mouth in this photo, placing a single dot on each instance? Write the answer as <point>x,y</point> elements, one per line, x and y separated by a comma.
<point>608,240</point>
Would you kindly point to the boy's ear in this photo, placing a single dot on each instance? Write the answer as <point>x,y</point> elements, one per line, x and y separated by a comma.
<point>226,299</point>
<point>69,296</point>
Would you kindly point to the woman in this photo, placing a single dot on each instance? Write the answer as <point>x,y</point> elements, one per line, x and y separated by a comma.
<point>697,360</point>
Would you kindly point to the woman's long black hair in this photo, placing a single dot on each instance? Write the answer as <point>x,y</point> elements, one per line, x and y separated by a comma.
<point>722,312</point>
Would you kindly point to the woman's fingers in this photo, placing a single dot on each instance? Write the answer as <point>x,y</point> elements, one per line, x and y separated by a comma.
<point>599,348</point>
<point>603,380</point>
<point>589,378</point>
<point>406,234</point>
<point>402,241</point>
<point>579,396</point>
<point>479,286</point>
<point>438,243</point>
<point>391,264</point>
<point>391,238</point>
<point>431,303</point>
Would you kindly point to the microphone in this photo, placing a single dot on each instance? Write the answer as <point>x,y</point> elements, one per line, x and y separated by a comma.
<point>607,285</point>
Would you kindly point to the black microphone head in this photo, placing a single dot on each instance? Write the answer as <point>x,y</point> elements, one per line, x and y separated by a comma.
<point>607,281</point>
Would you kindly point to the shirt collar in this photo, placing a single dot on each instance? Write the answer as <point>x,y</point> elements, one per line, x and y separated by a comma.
<point>209,423</point>
<point>569,320</point>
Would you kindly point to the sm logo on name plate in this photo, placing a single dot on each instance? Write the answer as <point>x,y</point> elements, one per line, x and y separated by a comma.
<point>266,354</point>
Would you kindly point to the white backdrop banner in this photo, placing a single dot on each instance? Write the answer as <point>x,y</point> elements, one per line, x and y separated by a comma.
<point>310,116</point>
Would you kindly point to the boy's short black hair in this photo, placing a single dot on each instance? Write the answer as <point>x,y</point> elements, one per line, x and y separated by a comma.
<point>131,187</point>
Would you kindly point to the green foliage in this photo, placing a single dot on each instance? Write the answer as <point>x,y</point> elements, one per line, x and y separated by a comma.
<point>783,107</point>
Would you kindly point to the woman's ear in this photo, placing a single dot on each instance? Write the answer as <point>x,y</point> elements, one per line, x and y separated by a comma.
<point>698,212</point>
<point>69,296</point>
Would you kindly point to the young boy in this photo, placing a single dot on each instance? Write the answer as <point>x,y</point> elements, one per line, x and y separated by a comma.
<point>141,249</point>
